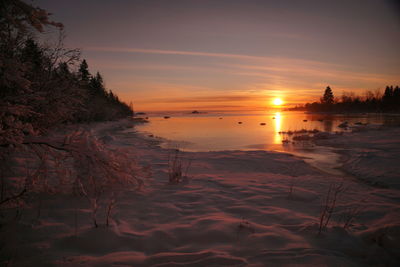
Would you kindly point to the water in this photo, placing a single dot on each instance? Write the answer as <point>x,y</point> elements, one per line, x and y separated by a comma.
<point>254,131</point>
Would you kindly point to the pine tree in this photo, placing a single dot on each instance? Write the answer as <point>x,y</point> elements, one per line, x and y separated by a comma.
<point>396,98</point>
<point>328,96</point>
<point>32,54</point>
<point>396,93</point>
<point>97,85</point>
<point>388,93</point>
<point>84,71</point>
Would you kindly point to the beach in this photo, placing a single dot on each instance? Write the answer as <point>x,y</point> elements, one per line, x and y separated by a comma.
<point>231,208</point>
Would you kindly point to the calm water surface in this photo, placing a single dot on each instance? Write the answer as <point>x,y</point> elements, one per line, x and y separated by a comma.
<point>253,131</point>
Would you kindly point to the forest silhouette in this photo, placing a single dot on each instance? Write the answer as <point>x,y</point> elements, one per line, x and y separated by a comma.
<point>389,101</point>
<point>44,85</point>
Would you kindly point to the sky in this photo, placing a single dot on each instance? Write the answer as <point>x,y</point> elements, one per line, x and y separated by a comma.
<point>233,54</point>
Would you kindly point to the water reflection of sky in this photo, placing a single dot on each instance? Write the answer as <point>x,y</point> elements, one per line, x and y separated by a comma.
<point>278,123</point>
<point>216,132</point>
<point>211,132</point>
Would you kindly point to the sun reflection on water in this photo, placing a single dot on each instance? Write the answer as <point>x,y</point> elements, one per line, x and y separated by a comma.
<point>277,128</point>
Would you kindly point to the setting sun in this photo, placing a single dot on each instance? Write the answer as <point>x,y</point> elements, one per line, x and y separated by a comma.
<point>277,102</point>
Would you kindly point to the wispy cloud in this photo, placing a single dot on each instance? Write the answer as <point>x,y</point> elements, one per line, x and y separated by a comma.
<point>276,60</point>
<point>235,80</point>
<point>262,66</point>
<point>135,66</point>
<point>210,99</point>
<point>304,70</point>
<point>170,52</point>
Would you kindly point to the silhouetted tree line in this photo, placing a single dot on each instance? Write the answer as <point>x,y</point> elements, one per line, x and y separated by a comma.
<point>389,101</point>
<point>45,85</point>
<point>100,104</point>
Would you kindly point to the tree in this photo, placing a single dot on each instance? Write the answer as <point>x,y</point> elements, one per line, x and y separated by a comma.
<point>396,94</point>
<point>84,73</point>
<point>328,96</point>
<point>387,96</point>
<point>97,85</point>
<point>38,91</point>
<point>15,14</point>
<point>19,21</point>
<point>32,55</point>
<point>63,70</point>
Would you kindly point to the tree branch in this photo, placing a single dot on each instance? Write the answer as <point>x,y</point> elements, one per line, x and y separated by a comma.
<point>20,194</point>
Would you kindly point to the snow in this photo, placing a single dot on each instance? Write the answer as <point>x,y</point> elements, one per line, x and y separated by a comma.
<point>236,208</point>
<point>370,154</point>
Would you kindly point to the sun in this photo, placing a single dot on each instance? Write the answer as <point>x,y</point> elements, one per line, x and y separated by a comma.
<point>277,102</point>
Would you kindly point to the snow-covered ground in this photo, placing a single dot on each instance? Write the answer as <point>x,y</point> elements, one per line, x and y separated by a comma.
<point>235,208</point>
<point>370,154</point>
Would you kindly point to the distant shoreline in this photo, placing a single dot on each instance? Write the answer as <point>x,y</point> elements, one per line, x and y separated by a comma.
<point>352,113</point>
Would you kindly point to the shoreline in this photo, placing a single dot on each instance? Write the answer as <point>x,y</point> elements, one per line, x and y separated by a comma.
<point>301,153</point>
<point>350,113</point>
<point>366,148</point>
<point>234,208</point>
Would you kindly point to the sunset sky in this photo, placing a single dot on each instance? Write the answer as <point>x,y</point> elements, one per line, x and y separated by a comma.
<point>233,55</point>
